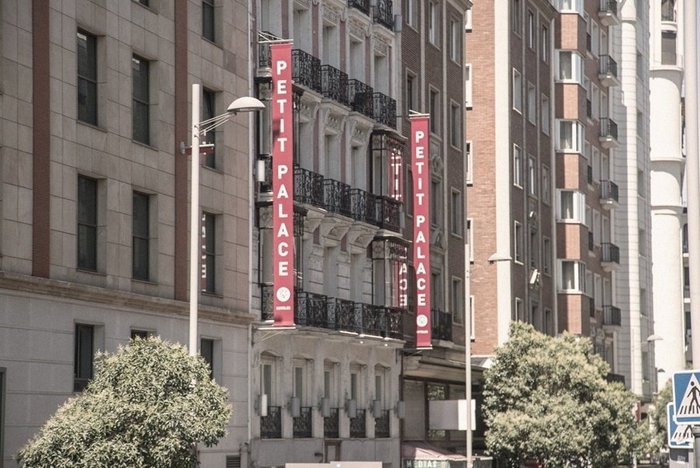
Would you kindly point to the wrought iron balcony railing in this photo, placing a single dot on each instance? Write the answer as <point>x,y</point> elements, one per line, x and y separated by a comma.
<point>360,97</point>
<point>608,128</point>
<point>609,191</point>
<point>388,213</point>
<point>337,197</point>
<point>384,13</point>
<point>306,69</point>
<point>308,187</point>
<point>362,5</point>
<point>334,84</point>
<point>384,110</point>
<point>364,206</point>
<point>589,108</point>
<point>302,424</point>
<point>271,425</point>
<point>619,378</point>
<point>611,253</point>
<point>589,175</point>
<point>591,242</point>
<point>358,425</point>
<point>608,7</point>
<point>608,66</point>
<point>331,425</point>
<point>341,316</point>
<point>612,316</point>
<point>311,309</point>
<point>264,58</point>
<point>382,428</point>
<point>441,325</point>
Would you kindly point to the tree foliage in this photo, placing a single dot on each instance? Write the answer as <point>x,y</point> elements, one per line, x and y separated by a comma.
<point>547,399</point>
<point>147,406</point>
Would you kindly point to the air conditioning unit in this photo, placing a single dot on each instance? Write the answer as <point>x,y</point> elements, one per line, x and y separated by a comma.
<point>535,277</point>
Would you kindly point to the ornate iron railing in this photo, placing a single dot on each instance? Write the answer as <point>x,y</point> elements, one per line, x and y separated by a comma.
<point>358,425</point>
<point>608,128</point>
<point>609,190</point>
<point>612,315</point>
<point>337,197</point>
<point>311,309</point>
<point>341,314</point>
<point>608,6</point>
<point>362,5</point>
<point>591,242</point>
<point>371,319</point>
<point>384,13</point>
<point>441,325</point>
<point>266,302</point>
<point>589,108</point>
<point>334,84</point>
<point>302,424</point>
<point>306,69</point>
<point>589,175</point>
<point>271,425</point>
<point>394,322</point>
<point>364,206</point>
<point>382,428</point>
<point>388,213</point>
<point>360,97</point>
<point>264,57</point>
<point>384,110</point>
<point>608,66</point>
<point>331,425</point>
<point>611,253</point>
<point>308,186</point>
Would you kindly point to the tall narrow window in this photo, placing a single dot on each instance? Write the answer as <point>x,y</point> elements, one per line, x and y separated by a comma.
<point>547,256</point>
<point>531,31</point>
<point>456,38</point>
<point>518,247</point>
<point>546,182</point>
<point>433,24</point>
<point>470,162</point>
<point>468,85</point>
<point>410,91</point>
<point>517,17</point>
<point>140,100</point>
<point>208,112</point>
<point>87,223</point>
<point>87,78</point>
<point>470,238</point>
<point>544,115</point>
<point>84,352</point>
<point>532,176</point>
<point>434,111</point>
<point>141,236</point>
<point>517,91</point>
<point>532,103</point>
<point>209,253</point>
<point>208,20</point>
<point>544,46</point>
<point>517,166</point>
<point>457,213</point>
<point>206,349</point>
<point>456,124</point>
<point>457,301</point>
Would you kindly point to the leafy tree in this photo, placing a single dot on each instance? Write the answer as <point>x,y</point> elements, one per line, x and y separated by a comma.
<point>148,405</point>
<point>658,418</point>
<point>546,399</point>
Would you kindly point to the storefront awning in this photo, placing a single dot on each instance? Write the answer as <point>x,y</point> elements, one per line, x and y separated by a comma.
<point>422,451</point>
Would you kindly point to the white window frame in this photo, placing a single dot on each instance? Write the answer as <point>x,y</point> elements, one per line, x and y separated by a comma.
<point>456,213</point>
<point>469,152</point>
<point>470,238</point>
<point>532,103</point>
<point>517,166</point>
<point>578,209</point>
<point>545,119</point>
<point>467,20</point>
<point>579,278</point>
<point>577,136</point>
<point>577,67</point>
<point>518,242</point>
<point>532,176</point>
<point>546,185</point>
<point>532,29</point>
<point>517,91</point>
<point>468,88</point>
<point>433,23</point>
<point>571,6</point>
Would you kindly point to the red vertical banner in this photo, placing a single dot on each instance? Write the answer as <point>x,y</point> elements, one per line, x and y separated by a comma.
<point>420,166</point>
<point>282,185</point>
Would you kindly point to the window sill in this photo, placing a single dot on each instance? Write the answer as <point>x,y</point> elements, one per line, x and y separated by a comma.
<point>92,126</point>
<point>91,272</point>
<point>214,43</point>
<point>215,170</point>
<point>147,7</point>
<point>212,294</point>
<point>145,145</point>
<point>142,281</point>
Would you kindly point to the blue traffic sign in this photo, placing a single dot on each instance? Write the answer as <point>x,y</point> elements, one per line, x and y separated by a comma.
<point>686,397</point>
<point>679,435</point>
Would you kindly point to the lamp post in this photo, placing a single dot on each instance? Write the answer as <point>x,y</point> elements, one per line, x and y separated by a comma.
<point>243,104</point>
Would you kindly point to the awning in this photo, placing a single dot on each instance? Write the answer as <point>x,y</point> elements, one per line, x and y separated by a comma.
<point>425,451</point>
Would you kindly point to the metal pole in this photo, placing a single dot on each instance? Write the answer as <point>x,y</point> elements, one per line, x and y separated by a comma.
<point>692,178</point>
<point>194,222</point>
<point>468,342</point>
<point>696,445</point>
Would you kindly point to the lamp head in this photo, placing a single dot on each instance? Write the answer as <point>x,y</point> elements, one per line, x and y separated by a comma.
<point>245,104</point>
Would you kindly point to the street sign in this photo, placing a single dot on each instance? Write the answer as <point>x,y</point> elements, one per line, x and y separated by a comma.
<point>686,397</point>
<point>679,435</point>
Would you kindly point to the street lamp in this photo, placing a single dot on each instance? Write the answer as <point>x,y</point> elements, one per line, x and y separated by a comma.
<point>242,104</point>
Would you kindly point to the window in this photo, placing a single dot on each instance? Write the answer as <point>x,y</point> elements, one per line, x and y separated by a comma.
<point>534,249</point>
<point>144,2</point>
<point>570,66</point>
<point>410,91</point>
<point>518,242</point>
<point>84,355</point>
<point>412,13</point>
<point>517,17</point>
<point>596,227</point>
<point>518,312</point>
<point>547,256</point>
<point>532,176</point>
<point>455,125</point>
<point>531,29</point>
<point>468,20</point>
<point>434,24</point>
<point>546,183</point>
<point>641,183</point>
<point>468,85</point>
<point>87,78</point>
<point>87,223</point>
<point>208,112</point>
<point>573,276</point>
<point>571,6</point>
<point>532,103</point>
<point>434,111</point>
<point>209,253</point>
<point>517,91</point>
<point>208,20</point>
<point>572,206</point>
<point>595,163</point>
<point>435,202</point>
<point>668,48</point>
<point>206,349</point>
<point>544,114</point>
<point>517,167</point>
<point>141,100</point>
<point>470,238</point>
<point>457,212</point>
<point>456,38</point>
<point>143,334</point>
<point>457,299</point>
<point>570,136</point>
<point>267,379</point>
<point>595,39</point>
<point>544,43</point>
<point>470,161</point>
<point>141,237</point>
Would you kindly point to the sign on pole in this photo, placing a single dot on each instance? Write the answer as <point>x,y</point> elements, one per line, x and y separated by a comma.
<point>679,435</point>
<point>686,397</point>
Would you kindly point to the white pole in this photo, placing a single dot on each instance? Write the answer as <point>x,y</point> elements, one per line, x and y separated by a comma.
<point>194,222</point>
<point>692,182</point>
<point>468,345</point>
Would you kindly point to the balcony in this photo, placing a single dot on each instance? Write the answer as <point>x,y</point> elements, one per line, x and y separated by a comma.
<point>382,428</point>
<point>608,71</point>
<point>331,425</point>
<point>589,108</point>
<point>302,424</point>
<point>337,197</point>
<point>608,12</point>
<point>362,5</point>
<point>608,133</point>
<point>358,425</point>
<point>334,84</point>
<point>589,175</point>
<point>360,97</point>
<point>384,110</point>
<point>306,70</point>
<point>612,316</point>
<point>388,213</point>
<point>308,187</point>
<point>264,57</point>
<point>591,241</point>
<point>610,259</point>
<point>363,205</point>
<point>441,325</point>
<point>609,194</point>
<point>271,425</point>
<point>384,14</point>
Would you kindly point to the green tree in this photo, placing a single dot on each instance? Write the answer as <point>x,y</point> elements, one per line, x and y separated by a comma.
<point>148,405</point>
<point>547,399</point>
